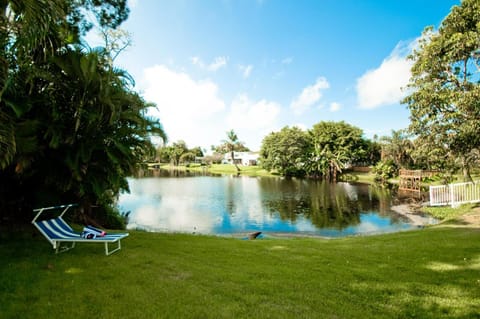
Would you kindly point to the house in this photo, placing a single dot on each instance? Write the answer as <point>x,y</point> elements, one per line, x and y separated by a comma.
<point>241,158</point>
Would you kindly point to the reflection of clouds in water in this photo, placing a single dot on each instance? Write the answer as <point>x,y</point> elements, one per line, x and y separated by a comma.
<point>367,227</point>
<point>145,216</point>
<point>172,215</point>
<point>248,213</point>
<point>168,214</point>
<point>372,223</point>
<point>214,205</point>
<point>350,190</point>
<point>304,225</point>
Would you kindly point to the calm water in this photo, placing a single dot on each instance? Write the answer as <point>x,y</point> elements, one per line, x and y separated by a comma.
<point>231,205</point>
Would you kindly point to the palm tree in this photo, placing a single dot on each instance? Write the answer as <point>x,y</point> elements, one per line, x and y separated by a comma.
<point>232,142</point>
<point>68,118</point>
<point>28,33</point>
<point>98,130</point>
<point>32,31</point>
<point>397,147</point>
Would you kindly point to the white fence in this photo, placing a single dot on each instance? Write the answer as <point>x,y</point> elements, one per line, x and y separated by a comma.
<point>455,194</point>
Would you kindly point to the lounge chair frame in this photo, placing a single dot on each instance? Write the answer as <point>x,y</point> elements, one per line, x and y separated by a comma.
<point>58,232</point>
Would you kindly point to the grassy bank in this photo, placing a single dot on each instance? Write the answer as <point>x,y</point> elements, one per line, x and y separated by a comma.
<point>430,273</point>
<point>229,169</point>
<point>447,213</point>
<point>226,169</point>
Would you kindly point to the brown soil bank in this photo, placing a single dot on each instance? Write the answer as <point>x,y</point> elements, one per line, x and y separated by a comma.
<point>470,219</point>
<point>417,217</point>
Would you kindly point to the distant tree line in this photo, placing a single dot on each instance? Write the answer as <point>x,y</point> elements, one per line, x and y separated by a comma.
<point>178,152</point>
<point>322,152</point>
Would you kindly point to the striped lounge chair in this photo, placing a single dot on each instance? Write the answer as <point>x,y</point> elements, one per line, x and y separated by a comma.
<point>58,232</point>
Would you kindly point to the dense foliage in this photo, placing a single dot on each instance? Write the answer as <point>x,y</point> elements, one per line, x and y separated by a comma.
<point>334,145</point>
<point>324,151</point>
<point>178,153</point>
<point>384,170</point>
<point>71,127</point>
<point>285,151</point>
<point>445,93</point>
<point>398,148</point>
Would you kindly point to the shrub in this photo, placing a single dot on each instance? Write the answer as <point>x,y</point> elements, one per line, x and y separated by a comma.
<point>384,170</point>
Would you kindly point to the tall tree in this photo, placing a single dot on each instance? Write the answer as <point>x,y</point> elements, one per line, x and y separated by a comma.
<point>335,144</point>
<point>398,148</point>
<point>92,135</point>
<point>31,32</point>
<point>176,150</point>
<point>285,151</point>
<point>71,126</point>
<point>26,27</point>
<point>445,92</point>
<point>232,144</point>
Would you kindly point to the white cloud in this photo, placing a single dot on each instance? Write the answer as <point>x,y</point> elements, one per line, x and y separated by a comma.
<point>245,70</point>
<point>287,60</point>
<point>309,96</point>
<point>383,85</point>
<point>252,115</point>
<point>185,106</point>
<point>252,120</point>
<point>217,63</point>
<point>197,61</point>
<point>334,107</point>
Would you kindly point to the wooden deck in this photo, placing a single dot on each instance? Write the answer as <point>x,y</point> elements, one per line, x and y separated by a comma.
<point>411,180</point>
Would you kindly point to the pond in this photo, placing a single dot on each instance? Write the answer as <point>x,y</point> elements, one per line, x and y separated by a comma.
<point>231,205</point>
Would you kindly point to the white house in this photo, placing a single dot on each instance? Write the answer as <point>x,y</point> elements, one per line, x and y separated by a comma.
<point>242,158</point>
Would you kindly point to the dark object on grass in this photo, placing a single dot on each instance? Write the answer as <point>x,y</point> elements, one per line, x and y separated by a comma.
<point>254,235</point>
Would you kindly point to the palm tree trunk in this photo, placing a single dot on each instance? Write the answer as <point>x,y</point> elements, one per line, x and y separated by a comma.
<point>233,161</point>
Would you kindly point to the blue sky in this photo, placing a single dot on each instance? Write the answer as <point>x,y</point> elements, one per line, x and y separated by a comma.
<point>255,66</point>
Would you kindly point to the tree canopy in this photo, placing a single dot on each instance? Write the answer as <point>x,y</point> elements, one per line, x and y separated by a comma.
<point>334,145</point>
<point>444,91</point>
<point>285,151</point>
<point>71,126</point>
<point>323,151</point>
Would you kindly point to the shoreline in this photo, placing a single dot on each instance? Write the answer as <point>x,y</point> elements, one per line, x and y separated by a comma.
<point>416,219</point>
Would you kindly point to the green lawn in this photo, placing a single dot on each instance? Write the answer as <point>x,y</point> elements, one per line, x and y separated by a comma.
<point>244,170</point>
<point>429,273</point>
<point>448,214</point>
<point>227,169</point>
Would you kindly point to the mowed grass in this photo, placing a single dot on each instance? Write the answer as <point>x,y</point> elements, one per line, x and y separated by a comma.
<point>429,273</point>
<point>449,214</point>
<point>224,169</point>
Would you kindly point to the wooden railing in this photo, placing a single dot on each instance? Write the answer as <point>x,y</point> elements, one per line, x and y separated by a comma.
<point>411,180</point>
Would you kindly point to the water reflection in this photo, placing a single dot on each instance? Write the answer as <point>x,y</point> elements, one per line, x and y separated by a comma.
<point>224,205</point>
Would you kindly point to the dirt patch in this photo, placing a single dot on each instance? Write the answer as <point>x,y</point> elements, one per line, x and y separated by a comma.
<point>472,218</point>
<point>411,211</point>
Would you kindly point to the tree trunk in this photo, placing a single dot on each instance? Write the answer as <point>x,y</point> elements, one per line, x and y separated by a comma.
<point>466,171</point>
<point>233,161</point>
